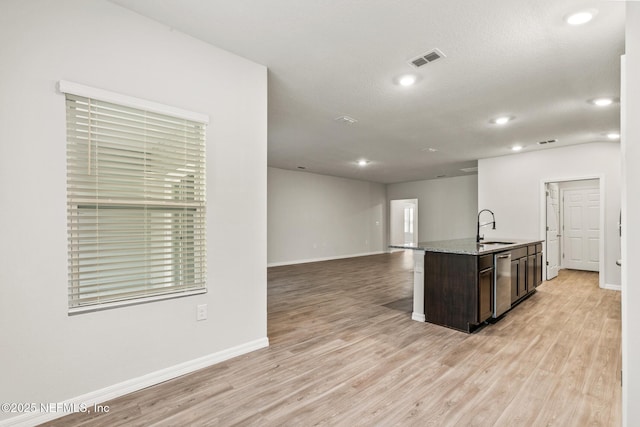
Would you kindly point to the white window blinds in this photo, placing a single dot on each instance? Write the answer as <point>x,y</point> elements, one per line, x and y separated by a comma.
<point>136,204</point>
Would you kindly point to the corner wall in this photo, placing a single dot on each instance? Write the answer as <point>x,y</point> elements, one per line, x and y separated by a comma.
<point>46,355</point>
<point>315,217</point>
<point>630,224</point>
<point>447,207</point>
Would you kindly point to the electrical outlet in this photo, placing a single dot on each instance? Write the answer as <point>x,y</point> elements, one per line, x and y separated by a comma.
<point>201,312</point>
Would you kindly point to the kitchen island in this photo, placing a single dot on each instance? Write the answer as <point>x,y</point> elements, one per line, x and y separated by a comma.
<point>456,284</point>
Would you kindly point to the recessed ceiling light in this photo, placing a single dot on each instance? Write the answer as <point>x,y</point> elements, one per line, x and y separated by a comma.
<point>613,135</point>
<point>430,149</point>
<point>602,102</point>
<point>407,80</point>
<point>516,147</point>
<point>502,120</point>
<point>362,162</point>
<point>582,17</point>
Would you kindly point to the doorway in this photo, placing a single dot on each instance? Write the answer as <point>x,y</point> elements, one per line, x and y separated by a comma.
<point>573,225</point>
<point>403,222</point>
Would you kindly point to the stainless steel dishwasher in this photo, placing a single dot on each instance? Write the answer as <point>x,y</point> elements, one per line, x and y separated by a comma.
<point>502,284</point>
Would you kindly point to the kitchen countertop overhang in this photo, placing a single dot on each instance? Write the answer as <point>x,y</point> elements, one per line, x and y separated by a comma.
<point>469,246</point>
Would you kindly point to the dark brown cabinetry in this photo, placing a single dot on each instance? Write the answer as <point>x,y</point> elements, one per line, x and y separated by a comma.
<point>539,266</point>
<point>522,277</point>
<point>531,269</point>
<point>526,271</point>
<point>515,268</point>
<point>458,289</point>
<point>485,287</point>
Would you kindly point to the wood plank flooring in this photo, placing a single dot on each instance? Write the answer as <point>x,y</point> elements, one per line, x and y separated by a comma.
<point>345,352</point>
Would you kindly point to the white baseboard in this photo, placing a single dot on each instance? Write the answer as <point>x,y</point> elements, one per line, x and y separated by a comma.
<point>111,392</point>
<point>329,258</point>
<point>419,317</point>
<point>612,287</point>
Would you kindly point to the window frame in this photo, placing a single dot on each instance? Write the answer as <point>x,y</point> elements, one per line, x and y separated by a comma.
<point>177,215</point>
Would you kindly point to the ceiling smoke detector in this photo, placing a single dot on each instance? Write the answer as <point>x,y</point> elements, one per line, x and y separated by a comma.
<point>345,119</point>
<point>426,58</point>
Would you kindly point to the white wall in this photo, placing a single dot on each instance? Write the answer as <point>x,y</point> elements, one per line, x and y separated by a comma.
<point>511,187</point>
<point>314,217</point>
<point>630,223</point>
<point>46,355</point>
<point>447,207</point>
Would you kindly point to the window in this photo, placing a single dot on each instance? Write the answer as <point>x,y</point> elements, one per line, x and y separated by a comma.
<point>408,220</point>
<point>135,200</point>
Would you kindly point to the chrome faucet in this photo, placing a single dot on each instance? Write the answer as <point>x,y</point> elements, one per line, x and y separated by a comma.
<point>478,237</point>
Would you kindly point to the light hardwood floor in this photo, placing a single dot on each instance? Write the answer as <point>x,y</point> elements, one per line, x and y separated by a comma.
<point>344,351</point>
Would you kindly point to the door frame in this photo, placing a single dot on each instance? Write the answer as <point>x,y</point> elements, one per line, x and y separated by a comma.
<point>543,219</point>
<point>546,234</point>
<point>414,201</point>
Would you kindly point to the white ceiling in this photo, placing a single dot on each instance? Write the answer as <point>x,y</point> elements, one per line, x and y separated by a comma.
<point>329,58</point>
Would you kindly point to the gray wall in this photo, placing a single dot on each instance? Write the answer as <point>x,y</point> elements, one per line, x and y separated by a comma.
<point>447,207</point>
<point>511,187</point>
<point>313,217</point>
<point>46,355</point>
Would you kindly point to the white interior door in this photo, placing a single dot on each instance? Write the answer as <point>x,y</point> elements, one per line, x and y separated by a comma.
<point>581,234</point>
<point>553,230</point>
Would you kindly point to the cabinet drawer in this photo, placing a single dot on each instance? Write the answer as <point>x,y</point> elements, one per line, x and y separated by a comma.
<point>531,249</point>
<point>485,261</point>
<point>539,248</point>
<point>518,253</point>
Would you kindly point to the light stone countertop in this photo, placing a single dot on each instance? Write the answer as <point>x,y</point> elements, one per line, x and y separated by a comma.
<point>469,246</point>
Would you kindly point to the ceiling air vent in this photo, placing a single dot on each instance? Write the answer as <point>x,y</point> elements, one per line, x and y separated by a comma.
<point>426,58</point>
<point>550,141</point>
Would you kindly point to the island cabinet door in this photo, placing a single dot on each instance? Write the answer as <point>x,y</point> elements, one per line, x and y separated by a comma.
<point>514,280</point>
<point>485,294</point>
<point>522,277</point>
<point>539,267</point>
<point>531,273</point>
